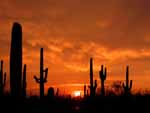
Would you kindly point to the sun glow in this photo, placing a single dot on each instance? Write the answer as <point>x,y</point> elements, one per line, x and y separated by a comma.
<point>77,93</point>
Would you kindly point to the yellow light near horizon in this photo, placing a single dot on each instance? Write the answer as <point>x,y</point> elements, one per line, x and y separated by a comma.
<point>77,93</point>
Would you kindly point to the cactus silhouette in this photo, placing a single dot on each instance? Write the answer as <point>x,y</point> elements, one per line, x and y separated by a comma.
<point>92,86</point>
<point>51,92</point>
<point>42,79</point>
<point>24,84</point>
<point>85,91</point>
<point>127,87</point>
<point>2,79</point>
<point>102,75</point>
<point>16,60</point>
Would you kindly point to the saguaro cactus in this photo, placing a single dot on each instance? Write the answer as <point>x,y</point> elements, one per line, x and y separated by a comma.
<point>102,75</point>
<point>2,79</point>
<point>24,83</point>
<point>127,87</point>
<point>42,79</point>
<point>92,86</point>
<point>16,60</point>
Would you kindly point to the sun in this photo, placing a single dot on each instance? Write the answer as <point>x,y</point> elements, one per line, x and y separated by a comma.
<point>77,93</point>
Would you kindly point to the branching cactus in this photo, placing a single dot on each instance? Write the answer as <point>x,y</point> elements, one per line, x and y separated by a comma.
<point>43,77</point>
<point>102,75</point>
<point>24,83</point>
<point>128,84</point>
<point>2,79</point>
<point>92,86</point>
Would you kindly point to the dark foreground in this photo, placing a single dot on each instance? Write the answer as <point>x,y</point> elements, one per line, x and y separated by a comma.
<point>108,104</point>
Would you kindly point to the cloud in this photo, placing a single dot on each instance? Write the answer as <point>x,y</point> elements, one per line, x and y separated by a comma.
<point>114,32</point>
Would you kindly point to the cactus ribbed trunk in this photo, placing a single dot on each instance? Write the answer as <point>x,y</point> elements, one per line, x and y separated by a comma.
<point>16,60</point>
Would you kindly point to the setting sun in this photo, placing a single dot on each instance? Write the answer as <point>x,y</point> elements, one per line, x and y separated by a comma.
<point>77,93</point>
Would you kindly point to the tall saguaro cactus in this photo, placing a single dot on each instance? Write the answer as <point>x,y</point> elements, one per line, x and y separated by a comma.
<point>102,75</point>
<point>16,60</point>
<point>2,79</point>
<point>24,83</point>
<point>92,86</point>
<point>42,79</point>
<point>128,84</point>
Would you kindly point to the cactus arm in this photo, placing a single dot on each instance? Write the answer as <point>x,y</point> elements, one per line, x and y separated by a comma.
<point>4,82</point>
<point>46,73</point>
<point>101,72</point>
<point>37,79</point>
<point>123,85</point>
<point>105,74</point>
<point>130,84</point>
<point>95,84</point>
<point>84,90</point>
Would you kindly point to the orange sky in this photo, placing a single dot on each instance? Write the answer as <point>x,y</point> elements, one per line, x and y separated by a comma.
<point>114,32</point>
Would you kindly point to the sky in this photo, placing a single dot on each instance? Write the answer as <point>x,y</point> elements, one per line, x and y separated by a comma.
<point>115,33</point>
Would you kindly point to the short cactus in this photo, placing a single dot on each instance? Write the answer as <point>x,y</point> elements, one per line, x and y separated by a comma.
<point>127,87</point>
